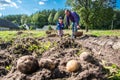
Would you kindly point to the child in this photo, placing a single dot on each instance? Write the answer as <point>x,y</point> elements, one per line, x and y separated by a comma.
<point>60,26</point>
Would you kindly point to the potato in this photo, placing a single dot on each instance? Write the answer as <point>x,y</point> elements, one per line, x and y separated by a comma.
<point>47,63</point>
<point>72,66</point>
<point>27,64</point>
<point>85,56</point>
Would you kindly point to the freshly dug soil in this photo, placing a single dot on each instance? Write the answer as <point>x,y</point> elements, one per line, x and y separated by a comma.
<point>5,60</point>
<point>100,48</point>
<point>105,48</point>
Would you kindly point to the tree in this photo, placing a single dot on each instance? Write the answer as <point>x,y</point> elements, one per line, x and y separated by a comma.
<point>22,27</point>
<point>57,15</point>
<point>65,22</point>
<point>46,13</point>
<point>39,20</point>
<point>92,12</point>
<point>116,19</point>
<point>50,18</point>
<point>25,19</point>
<point>13,18</point>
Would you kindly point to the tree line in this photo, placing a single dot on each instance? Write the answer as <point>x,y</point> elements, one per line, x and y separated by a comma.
<point>94,14</point>
<point>38,19</point>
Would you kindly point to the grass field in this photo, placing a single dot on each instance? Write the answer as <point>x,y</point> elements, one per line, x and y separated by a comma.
<point>104,32</point>
<point>8,35</point>
<point>100,32</point>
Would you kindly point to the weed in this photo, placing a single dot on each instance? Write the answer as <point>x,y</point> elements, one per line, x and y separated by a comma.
<point>45,46</point>
<point>114,72</point>
<point>8,67</point>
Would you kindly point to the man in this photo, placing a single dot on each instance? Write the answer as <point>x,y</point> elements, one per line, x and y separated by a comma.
<point>74,17</point>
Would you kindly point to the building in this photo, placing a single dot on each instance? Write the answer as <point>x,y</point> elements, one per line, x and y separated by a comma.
<point>7,25</point>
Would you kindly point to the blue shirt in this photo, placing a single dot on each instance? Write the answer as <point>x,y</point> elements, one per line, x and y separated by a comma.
<point>74,17</point>
<point>60,26</point>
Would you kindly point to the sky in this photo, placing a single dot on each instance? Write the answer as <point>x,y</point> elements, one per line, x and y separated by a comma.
<point>118,4</point>
<point>8,7</point>
<point>11,7</point>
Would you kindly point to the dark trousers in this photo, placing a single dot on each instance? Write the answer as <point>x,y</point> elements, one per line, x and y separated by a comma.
<point>74,29</point>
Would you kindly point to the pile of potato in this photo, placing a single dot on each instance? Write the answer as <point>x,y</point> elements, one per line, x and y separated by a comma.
<point>28,64</point>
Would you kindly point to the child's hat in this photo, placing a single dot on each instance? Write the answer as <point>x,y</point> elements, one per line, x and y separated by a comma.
<point>60,17</point>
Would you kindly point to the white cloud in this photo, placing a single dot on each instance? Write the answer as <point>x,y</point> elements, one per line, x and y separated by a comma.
<point>7,3</point>
<point>41,3</point>
<point>19,1</point>
<point>2,8</point>
<point>0,14</point>
<point>14,5</point>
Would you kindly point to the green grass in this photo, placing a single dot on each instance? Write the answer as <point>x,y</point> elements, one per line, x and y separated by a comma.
<point>104,32</point>
<point>37,33</point>
<point>114,72</point>
<point>9,35</point>
<point>99,32</point>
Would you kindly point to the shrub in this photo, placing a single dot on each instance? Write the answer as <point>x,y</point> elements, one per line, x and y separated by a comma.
<point>32,28</point>
<point>50,28</point>
<point>22,27</point>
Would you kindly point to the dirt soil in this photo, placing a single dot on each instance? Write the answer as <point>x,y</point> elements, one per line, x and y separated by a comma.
<point>102,49</point>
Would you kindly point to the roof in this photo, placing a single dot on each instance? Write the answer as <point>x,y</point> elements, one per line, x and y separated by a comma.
<point>8,24</point>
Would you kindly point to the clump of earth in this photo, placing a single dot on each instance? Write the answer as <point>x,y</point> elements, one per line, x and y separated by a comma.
<point>79,59</point>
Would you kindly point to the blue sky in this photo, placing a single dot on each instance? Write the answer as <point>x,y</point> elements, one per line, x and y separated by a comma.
<point>118,4</point>
<point>9,7</point>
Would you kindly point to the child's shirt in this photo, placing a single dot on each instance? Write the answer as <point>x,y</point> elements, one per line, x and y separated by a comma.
<point>60,26</point>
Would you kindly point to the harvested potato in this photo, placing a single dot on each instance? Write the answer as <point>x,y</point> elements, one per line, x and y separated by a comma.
<point>85,56</point>
<point>47,63</point>
<point>72,66</point>
<point>27,64</point>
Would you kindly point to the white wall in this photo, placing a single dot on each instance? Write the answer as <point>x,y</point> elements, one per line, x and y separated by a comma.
<point>3,29</point>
